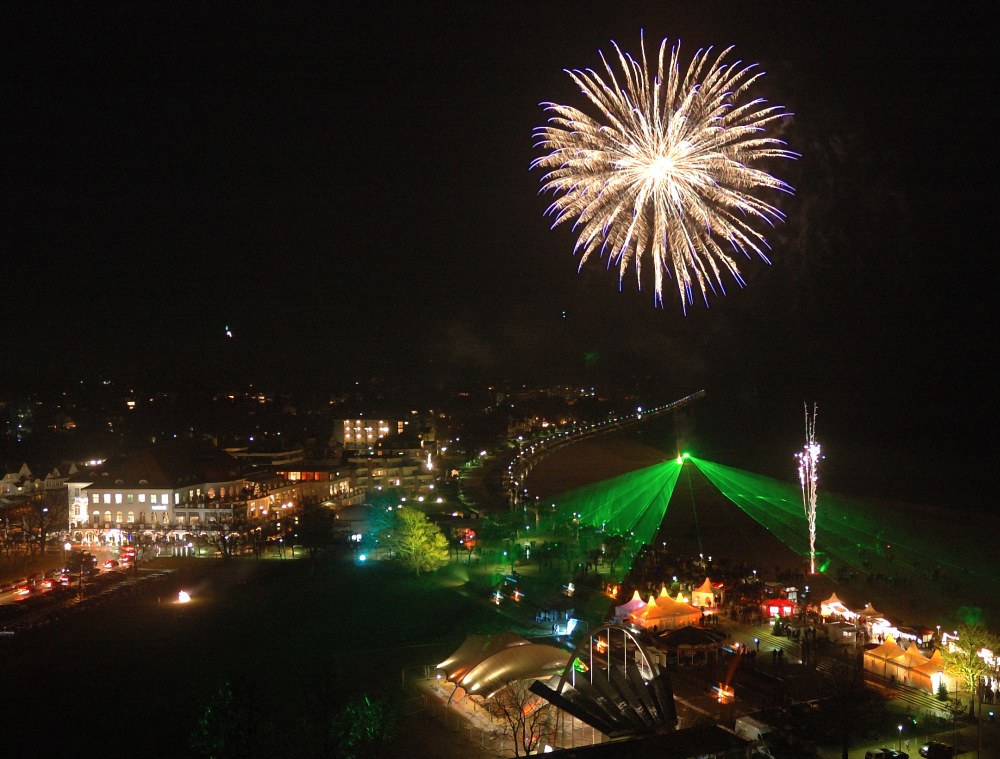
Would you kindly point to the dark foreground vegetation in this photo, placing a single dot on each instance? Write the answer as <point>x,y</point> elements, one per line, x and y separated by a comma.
<point>268,656</point>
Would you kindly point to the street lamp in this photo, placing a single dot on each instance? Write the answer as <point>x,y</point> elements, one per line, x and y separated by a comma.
<point>899,746</point>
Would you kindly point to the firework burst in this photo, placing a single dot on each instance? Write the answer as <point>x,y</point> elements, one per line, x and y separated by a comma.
<point>668,170</point>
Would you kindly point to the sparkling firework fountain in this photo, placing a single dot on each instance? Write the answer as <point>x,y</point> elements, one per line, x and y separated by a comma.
<point>667,170</point>
<point>808,478</point>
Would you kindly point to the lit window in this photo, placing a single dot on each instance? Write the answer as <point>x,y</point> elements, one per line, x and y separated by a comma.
<point>118,517</point>
<point>95,498</point>
<point>118,497</point>
<point>130,498</point>
<point>142,497</point>
<point>152,497</point>
<point>131,517</point>
<point>107,498</point>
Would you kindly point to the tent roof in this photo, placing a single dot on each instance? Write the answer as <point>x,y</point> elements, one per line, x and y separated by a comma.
<point>705,587</point>
<point>836,605</point>
<point>475,649</point>
<point>635,604</point>
<point>912,657</point>
<point>665,606</point>
<point>529,661</point>
<point>934,664</point>
<point>888,650</point>
<point>673,606</point>
<point>651,611</point>
<point>869,611</point>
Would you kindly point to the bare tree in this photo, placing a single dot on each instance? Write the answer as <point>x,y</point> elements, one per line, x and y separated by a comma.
<point>41,515</point>
<point>521,715</point>
<point>225,538</point>
<point>853,708</point>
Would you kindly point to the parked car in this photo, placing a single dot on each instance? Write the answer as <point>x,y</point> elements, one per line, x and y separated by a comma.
<point>891,753</point>
<point>937,750</point>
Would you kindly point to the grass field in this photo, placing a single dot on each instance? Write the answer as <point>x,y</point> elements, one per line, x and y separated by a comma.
<point>297,638</point>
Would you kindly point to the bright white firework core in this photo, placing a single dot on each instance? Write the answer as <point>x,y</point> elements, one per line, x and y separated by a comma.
<point>660,168</point>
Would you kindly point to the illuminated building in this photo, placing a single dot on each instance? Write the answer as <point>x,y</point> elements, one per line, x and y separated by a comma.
<point>366,433</point>
<point>171,489</point>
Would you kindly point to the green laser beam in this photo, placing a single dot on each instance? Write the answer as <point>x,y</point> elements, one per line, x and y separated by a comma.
<point>631,504</point>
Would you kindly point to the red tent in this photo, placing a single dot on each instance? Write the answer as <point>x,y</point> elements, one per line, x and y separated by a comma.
<point>777,607</point>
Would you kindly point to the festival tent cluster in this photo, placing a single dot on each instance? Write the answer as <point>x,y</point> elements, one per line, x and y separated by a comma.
<point>875,623</point>
<point>907,666</point>
<point>889,659</point>
<point>667,613</point>
<point>664,613</point>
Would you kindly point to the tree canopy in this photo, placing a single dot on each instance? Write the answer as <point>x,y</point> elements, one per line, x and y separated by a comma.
<point>962,660</point>
<point>417,542</point>
<point>317,527</point>
<point>365,727</point>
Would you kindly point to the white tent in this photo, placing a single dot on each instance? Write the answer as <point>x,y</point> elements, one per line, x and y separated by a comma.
<point>869,612</point>
<point>703,595</point>
<point>635,605</point>
<point>834,605</point>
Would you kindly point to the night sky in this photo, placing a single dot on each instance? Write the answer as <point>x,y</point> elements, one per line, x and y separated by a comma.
<point>349,192</point>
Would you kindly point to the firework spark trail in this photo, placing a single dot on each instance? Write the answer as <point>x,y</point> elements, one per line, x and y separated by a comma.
<point>809,478</point>
<point>668,172</point>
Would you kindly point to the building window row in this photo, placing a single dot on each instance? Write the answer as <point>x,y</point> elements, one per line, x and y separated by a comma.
<point>98,498</point>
